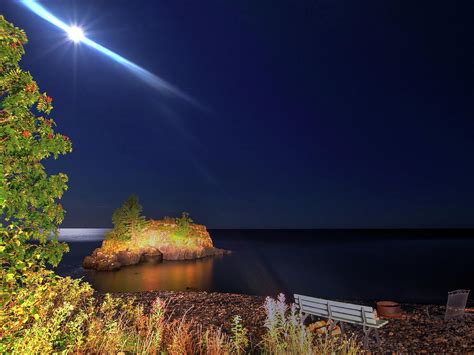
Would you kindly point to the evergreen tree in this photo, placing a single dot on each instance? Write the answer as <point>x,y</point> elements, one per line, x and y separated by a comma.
<point>127,220</point>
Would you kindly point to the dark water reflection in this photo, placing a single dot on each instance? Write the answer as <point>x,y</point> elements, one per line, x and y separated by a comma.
<point>401,265</point>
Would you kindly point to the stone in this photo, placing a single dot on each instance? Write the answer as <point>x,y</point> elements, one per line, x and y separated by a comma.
<point>97,252</point>
<point>127,257</point>
<point>107,265</point>
<point>152,257</point>
<point>89,262</point>
<point>190,255</point>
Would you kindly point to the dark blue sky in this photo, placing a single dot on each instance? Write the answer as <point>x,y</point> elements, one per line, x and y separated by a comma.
<point>331,114</point>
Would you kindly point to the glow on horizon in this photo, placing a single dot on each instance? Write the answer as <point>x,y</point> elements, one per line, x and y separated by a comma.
<point>77,35</point>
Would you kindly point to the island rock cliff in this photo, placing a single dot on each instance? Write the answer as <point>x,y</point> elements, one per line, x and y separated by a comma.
<point>159,240</point>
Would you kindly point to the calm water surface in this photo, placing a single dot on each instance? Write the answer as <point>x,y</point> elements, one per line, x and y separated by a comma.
<point>417,266</point>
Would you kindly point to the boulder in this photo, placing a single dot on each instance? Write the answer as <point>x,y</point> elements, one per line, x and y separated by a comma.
<point>107,265</point>
<point>152,257</point>
<point>190,255</point>
<point>173,255</point>
<point>89,262</point>
<point>101,261</point>
<point>127,257</point>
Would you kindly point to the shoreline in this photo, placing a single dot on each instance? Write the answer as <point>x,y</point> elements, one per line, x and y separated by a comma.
<point>420,329</point>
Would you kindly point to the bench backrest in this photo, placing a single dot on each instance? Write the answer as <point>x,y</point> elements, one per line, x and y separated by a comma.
<point>336,310</point>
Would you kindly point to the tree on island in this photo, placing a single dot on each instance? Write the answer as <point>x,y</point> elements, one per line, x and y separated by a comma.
<point>183,224</point>
<point>29,201</point>
<point>127,220</point>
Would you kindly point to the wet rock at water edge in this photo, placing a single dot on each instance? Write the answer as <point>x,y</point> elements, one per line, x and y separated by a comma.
<point>152,257</point>
<point>127,257</point>
<point>89,262</point>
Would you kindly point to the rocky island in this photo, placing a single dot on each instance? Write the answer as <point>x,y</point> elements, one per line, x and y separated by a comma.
<point>134,240</point>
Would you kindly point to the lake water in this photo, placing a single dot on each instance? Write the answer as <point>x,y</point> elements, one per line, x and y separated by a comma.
<point>408,266</point>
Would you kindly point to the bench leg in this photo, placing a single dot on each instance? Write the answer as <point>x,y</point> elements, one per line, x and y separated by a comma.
<point>366,337</point>
<point>378,338</point>
<point>341,338</point>
<point>332,326</point>
<point>303,317</point>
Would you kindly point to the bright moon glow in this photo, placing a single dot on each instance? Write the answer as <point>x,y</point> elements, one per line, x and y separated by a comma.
<point>75,34</point>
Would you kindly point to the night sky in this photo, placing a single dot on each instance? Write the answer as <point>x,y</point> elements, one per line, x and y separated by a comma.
<point>312,114</point>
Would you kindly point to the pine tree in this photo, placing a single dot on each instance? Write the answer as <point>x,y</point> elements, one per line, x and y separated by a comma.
<point>127,220</point>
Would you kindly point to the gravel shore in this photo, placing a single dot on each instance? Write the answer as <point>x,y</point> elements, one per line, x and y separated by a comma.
<point>421,329</point>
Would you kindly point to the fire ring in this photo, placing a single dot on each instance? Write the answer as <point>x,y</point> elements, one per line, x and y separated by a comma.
<point>389,309</point>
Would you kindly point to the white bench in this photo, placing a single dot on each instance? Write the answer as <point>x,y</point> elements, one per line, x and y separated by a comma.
<point>340,312</point>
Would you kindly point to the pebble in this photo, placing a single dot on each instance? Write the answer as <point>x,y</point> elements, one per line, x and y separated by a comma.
<point>414,333</point>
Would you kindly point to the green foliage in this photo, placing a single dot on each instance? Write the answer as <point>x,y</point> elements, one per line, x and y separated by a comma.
<point>183,224</point>
<point>45,313</point>
<point>127,220</point>
<point>239,336</point>
<point>52,314</point>
<point>286,334</point>
<point>29,207</point>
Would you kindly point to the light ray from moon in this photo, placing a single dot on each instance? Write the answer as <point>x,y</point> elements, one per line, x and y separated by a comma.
<point>76,35</point>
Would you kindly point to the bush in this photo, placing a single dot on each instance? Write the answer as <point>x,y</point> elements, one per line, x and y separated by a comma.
<point>46,313</point>
<point>53,314</point>
<point>56,314</point>
<point>286,334</point>
<point>184,224</point>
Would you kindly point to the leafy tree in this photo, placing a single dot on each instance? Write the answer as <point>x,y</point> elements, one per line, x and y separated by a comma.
<point>29,196</point>
<point>127,220</point>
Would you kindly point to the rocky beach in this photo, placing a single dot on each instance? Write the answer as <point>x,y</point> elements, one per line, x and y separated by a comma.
<point>420,329</point>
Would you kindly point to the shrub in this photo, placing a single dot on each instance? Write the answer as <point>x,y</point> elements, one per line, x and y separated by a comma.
<point>56,314</point>
<point>239,336</point>
<point>213,342</point>
<point>52,314</point>
<point>286,334</point>
<point>184,224</point>
<point>46,313</point>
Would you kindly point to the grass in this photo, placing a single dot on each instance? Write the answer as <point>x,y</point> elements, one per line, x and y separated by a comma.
<point>52,314</point>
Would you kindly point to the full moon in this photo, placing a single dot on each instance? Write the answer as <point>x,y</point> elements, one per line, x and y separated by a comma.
<point>75,34</point>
